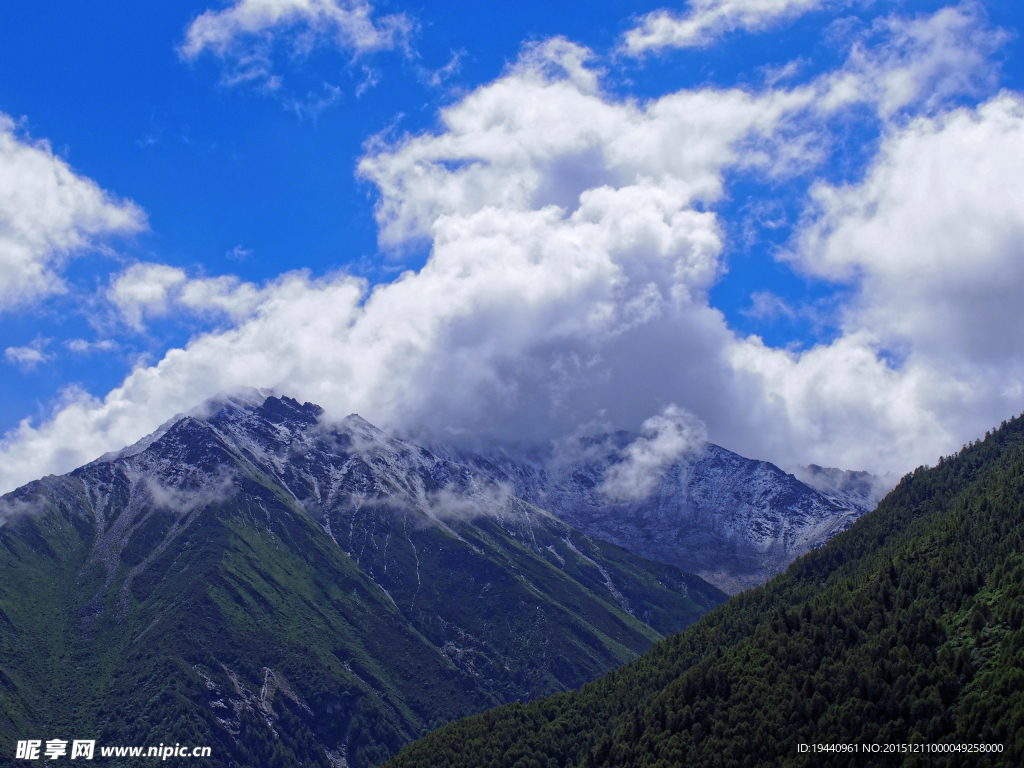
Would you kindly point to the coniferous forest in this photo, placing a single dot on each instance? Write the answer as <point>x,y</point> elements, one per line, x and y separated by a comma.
<point>902,634</point>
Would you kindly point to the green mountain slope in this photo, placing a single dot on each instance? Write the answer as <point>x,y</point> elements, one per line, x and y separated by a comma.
<point>292,594</point>
<point>905,630</point>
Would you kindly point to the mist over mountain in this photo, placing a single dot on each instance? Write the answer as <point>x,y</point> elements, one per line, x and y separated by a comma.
<point>861,489</point>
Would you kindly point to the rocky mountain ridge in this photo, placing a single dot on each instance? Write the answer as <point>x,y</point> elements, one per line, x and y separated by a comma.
<point>733,521</point>
<point>297,592</point>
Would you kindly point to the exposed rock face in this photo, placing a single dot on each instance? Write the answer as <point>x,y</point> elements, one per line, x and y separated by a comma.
<point>733,521</point>
<point>252,578</point>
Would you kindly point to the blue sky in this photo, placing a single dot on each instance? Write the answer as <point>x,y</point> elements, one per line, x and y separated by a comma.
<point>227,184</point>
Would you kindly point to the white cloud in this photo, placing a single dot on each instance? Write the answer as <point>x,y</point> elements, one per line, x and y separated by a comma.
<point>184,497</point>
<point>562,222</point>
<point>843,401</point>
<point>153,290</point>
<point>664,439</point>
<point>243,33</point>
<point>933,241</point>
<point>544,135</point>
<point>11,509</point>
<point>765,305</point>
<point>439,76</point>
<point>226,294</point>
<point>922,61</point>
<point>572,251</point>
<point>48,214</point>
<point>934,236</point>
<point>239,253</point>
<point>28,357</point>
<point>897,62</point>
<point>144,288</point>
<point>707,20</point>
<point>82,347</point>
<point>480,499</point>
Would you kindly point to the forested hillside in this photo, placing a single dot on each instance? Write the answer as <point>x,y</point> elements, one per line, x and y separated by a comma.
<point>904,630</point>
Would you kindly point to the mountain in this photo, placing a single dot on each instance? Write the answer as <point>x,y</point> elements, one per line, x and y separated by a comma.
<point>735,522</point>
<point>900,642</point>
<point>293,592</point>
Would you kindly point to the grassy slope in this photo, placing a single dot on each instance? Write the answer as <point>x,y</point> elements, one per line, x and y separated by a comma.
<point>905,629</point>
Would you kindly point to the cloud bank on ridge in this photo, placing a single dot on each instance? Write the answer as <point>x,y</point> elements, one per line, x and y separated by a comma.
<point>573,243</point>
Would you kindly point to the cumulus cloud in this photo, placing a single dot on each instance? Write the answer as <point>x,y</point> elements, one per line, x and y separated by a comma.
<point>934,235</point>
<point>664,440</point>
<point>562,221</point>
<point>707,20</point>
<point>931,240</point>
<point>573,245</point>
<point>48,214</point>
<point>153,290</point>
<point>243,34</point>
<point>544,138</point>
